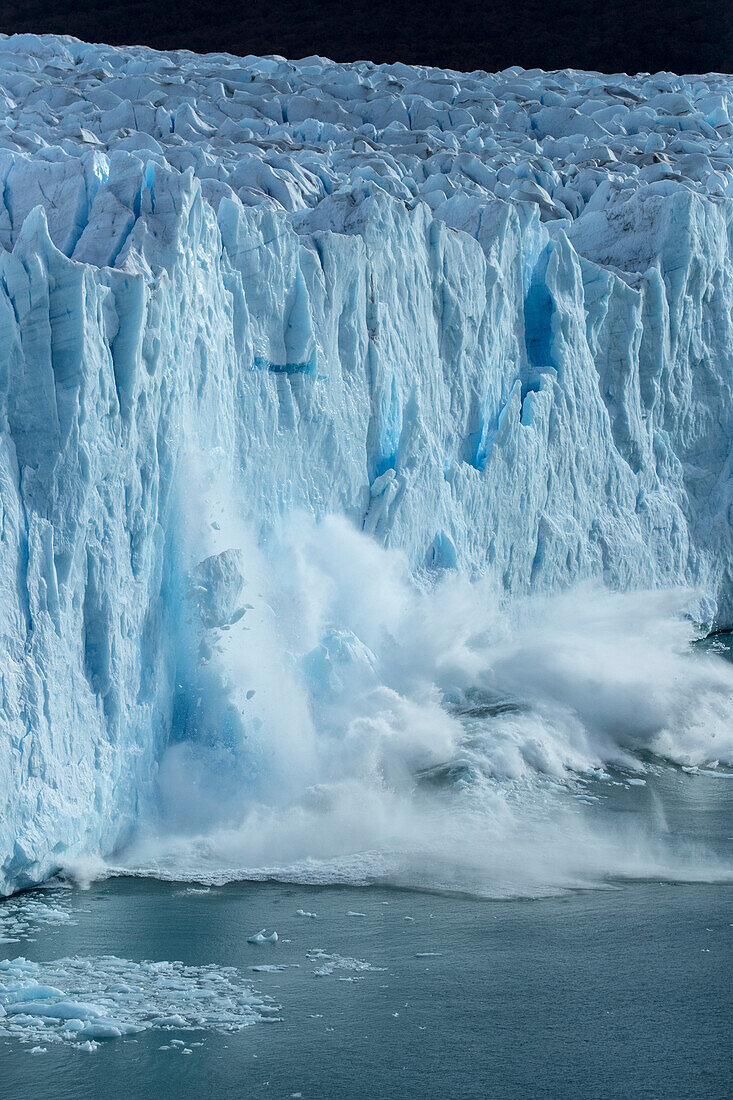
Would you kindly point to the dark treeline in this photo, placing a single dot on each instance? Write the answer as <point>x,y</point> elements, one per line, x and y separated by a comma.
<point>609,35</point>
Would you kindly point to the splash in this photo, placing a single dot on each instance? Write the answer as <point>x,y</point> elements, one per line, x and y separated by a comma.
<point>340,719</point>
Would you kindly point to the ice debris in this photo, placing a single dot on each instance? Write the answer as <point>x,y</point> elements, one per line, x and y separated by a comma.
<point>262,937</point>
<point>22,916</point>
<point>329,963</point>
<point>83,1000</point>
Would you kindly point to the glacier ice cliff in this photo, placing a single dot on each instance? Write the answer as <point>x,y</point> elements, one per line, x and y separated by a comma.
<point>486,318</point>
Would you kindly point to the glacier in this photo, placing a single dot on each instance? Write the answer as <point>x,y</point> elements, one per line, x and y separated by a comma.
<point>486,320</point>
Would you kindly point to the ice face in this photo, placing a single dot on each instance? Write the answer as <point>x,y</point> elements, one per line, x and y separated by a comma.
<point>486,318</point>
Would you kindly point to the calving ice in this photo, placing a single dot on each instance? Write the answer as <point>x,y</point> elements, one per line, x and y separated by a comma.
<point>317,381</point>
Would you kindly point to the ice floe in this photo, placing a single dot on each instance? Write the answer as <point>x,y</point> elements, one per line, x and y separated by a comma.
<point>263,937</point>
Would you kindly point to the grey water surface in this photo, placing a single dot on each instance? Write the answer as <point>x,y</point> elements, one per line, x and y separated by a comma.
<point>623,991</point>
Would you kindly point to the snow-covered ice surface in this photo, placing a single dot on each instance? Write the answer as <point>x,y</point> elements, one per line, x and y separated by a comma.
<point>85,999</point>
<point>289,353</point>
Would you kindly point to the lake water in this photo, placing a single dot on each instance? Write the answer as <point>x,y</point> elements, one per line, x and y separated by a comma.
<point>622,991</point>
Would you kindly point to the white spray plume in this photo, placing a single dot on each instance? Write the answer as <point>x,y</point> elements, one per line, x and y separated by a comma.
<point>344,720</point>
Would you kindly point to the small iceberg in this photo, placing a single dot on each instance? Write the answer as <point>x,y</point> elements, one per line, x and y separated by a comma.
<point>305,913</point>
<point>260,937</point>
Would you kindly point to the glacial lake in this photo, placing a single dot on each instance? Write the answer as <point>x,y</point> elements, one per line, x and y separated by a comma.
<point>621,991</point>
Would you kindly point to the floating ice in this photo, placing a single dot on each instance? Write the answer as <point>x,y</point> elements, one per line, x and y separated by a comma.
<point>83,1000</point>
<point>22,916</point>
<point>303,913</point>
<point>329,964</point>
<point>262,937</point>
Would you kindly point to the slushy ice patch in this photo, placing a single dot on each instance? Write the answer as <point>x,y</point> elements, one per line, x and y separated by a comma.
<point>83,1000</point>
<point>328,964</point>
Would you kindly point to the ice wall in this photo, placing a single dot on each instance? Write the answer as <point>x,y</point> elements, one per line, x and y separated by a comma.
<point>486,318</point>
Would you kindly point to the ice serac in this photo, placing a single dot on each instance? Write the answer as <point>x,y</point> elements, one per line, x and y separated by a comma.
<point>488,318</point>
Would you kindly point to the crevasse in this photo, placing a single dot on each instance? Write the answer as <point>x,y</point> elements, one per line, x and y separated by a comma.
<point>373,291</point>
